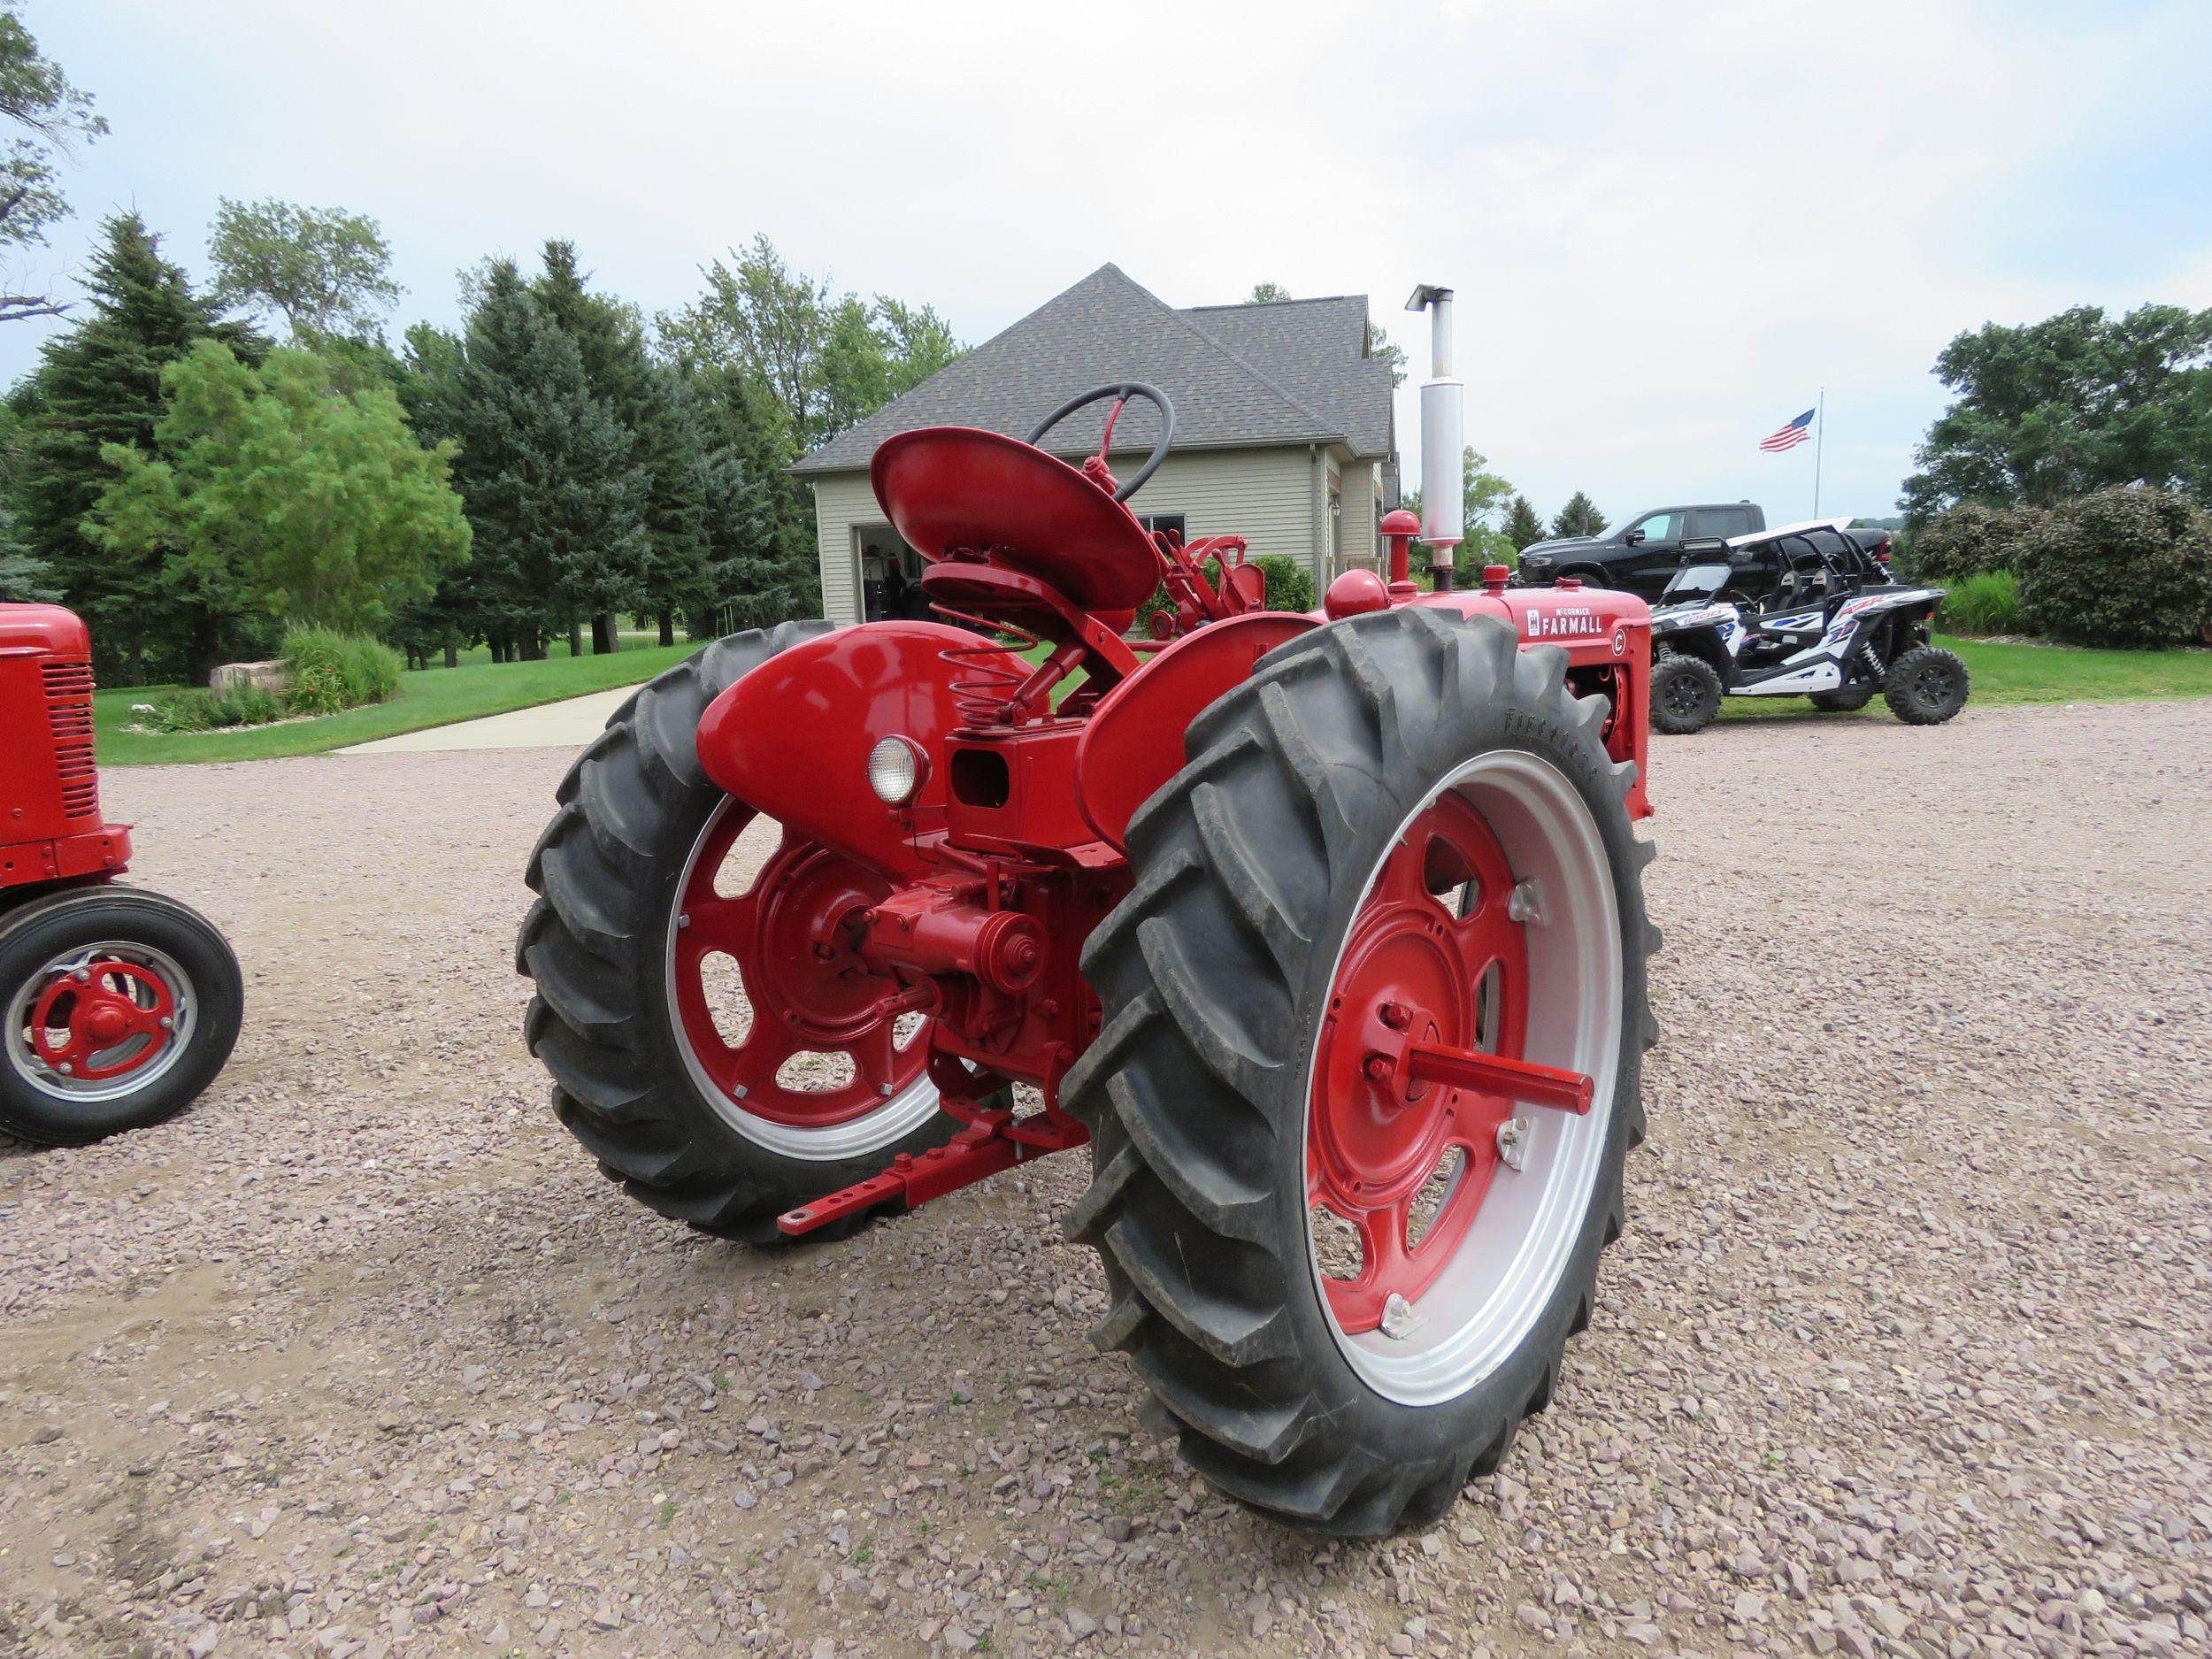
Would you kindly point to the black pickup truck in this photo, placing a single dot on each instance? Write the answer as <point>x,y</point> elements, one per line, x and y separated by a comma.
<point>1641,554</point>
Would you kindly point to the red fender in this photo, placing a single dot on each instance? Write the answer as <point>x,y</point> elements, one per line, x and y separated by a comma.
<point>1135,742</point>
<point>791,739</point>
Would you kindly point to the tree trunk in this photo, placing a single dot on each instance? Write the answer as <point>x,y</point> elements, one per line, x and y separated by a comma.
<point>206,650</point>
<point>452,652</point>
<point>668,628</point>
<point>604,642</point>
<point>575,639</point>
<point>531,644</point>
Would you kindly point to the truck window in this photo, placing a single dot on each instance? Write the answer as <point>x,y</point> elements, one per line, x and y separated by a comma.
<point>1660,526</point>
<point>1721,521</point>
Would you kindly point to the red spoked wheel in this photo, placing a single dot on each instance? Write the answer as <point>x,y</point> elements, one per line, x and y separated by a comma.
<point>101,1019</point>
<point>805,996</point>
<point>1441,1156</point>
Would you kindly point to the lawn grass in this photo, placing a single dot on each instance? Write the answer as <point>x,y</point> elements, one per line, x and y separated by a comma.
<point>2005,672</point>
<point>429,697</point>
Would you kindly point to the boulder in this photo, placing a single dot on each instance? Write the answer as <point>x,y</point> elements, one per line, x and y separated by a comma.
<point>271,677</point>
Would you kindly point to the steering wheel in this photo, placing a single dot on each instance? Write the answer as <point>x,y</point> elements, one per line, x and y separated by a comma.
<point>1121,395</point>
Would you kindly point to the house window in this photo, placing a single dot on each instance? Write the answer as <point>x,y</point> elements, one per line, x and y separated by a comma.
<point>1169,521</point>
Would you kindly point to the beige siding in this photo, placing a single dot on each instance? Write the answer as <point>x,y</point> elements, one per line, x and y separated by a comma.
<point>842,500</point>
<point>1264,496</point>
<point>1356,547</point>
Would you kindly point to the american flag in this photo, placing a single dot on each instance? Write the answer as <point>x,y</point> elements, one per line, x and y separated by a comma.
<point>1790,436</point>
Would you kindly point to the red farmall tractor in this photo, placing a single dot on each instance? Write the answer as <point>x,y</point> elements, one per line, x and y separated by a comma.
<point>1324,932</point>
<point>121,1005</point>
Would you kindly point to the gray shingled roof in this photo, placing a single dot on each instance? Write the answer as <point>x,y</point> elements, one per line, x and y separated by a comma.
<point>1292,371</point>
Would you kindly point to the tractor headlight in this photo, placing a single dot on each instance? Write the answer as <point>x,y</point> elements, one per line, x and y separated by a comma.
<point>896,769</point>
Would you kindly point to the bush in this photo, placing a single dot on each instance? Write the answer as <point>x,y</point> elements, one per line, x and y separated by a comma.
<point>2128,567</point>
<point>332,671</point>
<point>1987,602</point>
<point>212,710</point>
<point>1968,540</point>
<point>1289,583</point>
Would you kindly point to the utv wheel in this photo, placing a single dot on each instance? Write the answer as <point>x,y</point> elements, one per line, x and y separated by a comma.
<point>1685,693</point>
<point>702,1049</point>
<point>121,1006</point>
<point>1926,685</point>
<point>1841,702</point>
<point>1403,827</point>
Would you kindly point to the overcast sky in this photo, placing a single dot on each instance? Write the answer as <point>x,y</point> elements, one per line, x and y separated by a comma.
<point>1668,225</point>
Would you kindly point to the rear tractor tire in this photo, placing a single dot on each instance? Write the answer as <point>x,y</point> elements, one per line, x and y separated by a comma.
<point>1926,685</point>
<point>1401,828</point>
<point>717,1113</point>
<point>1685,693</point>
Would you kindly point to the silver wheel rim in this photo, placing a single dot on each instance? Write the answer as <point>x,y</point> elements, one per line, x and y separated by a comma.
<point>1482,1307</point>
<point>871,1132</point>
<point>26,1062</point>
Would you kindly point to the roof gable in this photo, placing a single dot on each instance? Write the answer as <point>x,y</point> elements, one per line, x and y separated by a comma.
<point>1107,328</point>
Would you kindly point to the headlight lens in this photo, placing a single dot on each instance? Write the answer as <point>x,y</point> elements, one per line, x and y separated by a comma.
<point>894,770</point>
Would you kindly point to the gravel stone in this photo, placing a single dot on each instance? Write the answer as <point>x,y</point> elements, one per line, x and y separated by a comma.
<point>1904,1350</point>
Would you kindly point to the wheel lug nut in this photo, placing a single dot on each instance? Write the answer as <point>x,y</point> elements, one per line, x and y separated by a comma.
<point>1377,1068</point>
<point>1397,1015</point>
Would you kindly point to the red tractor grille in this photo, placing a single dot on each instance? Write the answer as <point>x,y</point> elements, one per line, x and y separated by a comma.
<point>69,713</point>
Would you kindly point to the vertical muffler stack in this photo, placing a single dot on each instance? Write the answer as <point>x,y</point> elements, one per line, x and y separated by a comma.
<point>1443,437</point>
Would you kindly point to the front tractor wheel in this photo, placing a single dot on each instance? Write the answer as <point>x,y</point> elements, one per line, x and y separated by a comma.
<point>714,1042</point>
<point>1371,1065</point>
<point>120,1008</point>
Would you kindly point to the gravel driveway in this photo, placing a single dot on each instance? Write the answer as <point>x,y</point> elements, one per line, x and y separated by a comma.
<point>1907,1348</point>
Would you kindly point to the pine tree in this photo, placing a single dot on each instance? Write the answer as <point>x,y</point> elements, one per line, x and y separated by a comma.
<point>545,470</point>
<point>99,383</point>
<point>1522,526</point>
<point>643,397</point>
<point>762,565</point>
<point>1579,517</point>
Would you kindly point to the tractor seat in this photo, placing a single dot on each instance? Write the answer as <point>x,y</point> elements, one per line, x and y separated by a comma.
<point>959,489</point>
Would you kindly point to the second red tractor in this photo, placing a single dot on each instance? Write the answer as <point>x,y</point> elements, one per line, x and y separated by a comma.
<point>1324,932</point>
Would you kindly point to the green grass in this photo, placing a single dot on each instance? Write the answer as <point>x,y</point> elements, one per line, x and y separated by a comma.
<point>427,697</point>
<point>2005,672</point>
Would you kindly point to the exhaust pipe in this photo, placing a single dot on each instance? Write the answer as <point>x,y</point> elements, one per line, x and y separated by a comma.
<point>1443,438</point>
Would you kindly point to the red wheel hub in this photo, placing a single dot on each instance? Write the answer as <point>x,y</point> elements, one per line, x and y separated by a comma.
<point>789,934</point>
<point>84,1021</point>
<point>1419,1053</point>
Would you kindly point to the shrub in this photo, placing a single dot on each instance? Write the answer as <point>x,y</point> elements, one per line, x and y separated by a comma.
<point>1968,540</point>
<point>1289,583</point>
<point>1987,602</point>
<point>212,710</point>
<point>333,670</point>
<point>2129,567</point>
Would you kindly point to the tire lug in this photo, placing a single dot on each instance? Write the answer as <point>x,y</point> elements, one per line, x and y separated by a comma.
<point>1399,1320</point>
<point>1526,904</point>
<point>1513,1141</point>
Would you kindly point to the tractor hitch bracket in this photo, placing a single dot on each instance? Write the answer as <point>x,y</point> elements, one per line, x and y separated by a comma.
<point>977,1153</point>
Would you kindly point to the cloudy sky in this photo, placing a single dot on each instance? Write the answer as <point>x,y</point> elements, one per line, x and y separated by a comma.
<point>1670,226</point>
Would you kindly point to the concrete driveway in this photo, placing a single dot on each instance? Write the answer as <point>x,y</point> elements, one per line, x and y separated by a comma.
<point>570,724</point>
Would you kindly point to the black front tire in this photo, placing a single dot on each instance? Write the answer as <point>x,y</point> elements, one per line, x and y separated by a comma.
<point>609,868</point>
<point>1685,693</point>
<point>1926,685</point>
<point>1250,868</point>
<point>37,933</point>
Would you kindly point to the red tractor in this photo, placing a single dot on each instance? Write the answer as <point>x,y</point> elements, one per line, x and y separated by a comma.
<point>121,1005</point>
<point>1324,932</point>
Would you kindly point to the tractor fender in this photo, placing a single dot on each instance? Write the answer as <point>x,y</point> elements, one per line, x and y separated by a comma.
<point>1134,743</point>
<point>791,739</point>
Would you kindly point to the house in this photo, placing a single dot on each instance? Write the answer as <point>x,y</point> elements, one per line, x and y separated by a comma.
<point>1283,429</point>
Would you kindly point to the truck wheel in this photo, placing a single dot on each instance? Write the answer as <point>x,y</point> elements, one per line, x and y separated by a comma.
<point>1842,702</point>
<point>1345,1290</point>
<point>701,1049</point>
<point>1926,685</point>
<point>1685,693</point>
<point>121,1006</point>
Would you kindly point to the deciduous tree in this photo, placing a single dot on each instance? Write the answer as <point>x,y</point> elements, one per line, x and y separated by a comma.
<point>37,97</point>
<point>272,494</point>
<point>2079,402</point>
<point>324,270</point>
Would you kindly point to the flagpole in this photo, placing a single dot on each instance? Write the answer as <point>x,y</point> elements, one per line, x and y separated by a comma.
<point>1820,441</point>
